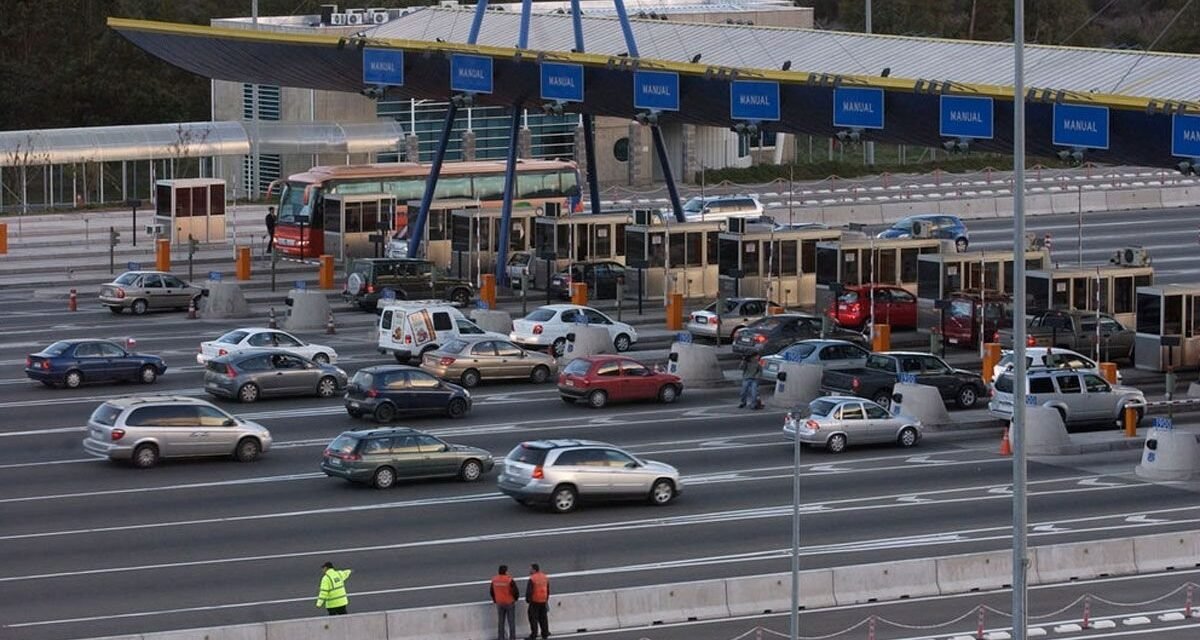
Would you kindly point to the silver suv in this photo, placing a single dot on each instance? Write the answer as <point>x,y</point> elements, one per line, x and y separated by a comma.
<point>562,473</point>
<point>144,429</point>
<point>1080,397</point>
<point>722,207</point>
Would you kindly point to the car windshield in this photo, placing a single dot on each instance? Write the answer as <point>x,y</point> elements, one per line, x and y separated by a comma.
<point>849,297</point>
<point>233,337</point>
<point>343,444</point>
<point>766,324</point>
<point>126,278</point>
<point>56,349</point>
<point>540,315</point>
<point>106,414</point>
<point>454,346</point>
<point>882,363</point>
<point>363,379</point>
<point>695,205</point>
<point>578,367</point>
<point>822,407</point>
<point>903,225</point>
<point>527,454</point>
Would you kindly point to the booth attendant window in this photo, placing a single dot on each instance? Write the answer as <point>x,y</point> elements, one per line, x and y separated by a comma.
<point>929,280</point>
<point>678,249</point>
<point>484,229</point>
<point>1194,325</point>
<point>808,256</point>
<point>1149,313</point>
<point>620,232</point>
<point>827,266</point>
<point>1123,294</point>
<point>183,203</point>
<point>750,258</point>
<point>974,275</point>
<point>1008,276</point>
<point>353,217</point>
<point>1060,297</point>
<point>1103,285</point>
<point>199,201</point>
<point>908,264</point>
<point>1172,315</point>
<point>848,269</point>
<point>635,246</point>
<point>370,216</point>
<point>729,255</point>
<point>1142,281</point>
<point>437,223</point>
<point>162,201</point>
<point>603,243</point>
<point>991,276</point>
<point>216,199</point>
<point>658,250</point>
<point>543,238</point>
<point>788,258</point>
<point>712,243</point>
<point>885,267</point>
<point>1037,294</point>
<point>695,249</point>
<point>954,277</point>
<point>1079,294</point>
<point>460,233</point>
<point>583,246</point>
<point>563,235</point>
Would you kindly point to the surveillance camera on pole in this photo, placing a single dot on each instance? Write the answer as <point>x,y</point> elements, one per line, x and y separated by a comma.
<point>649,118</point>
<point>957,145</point>
<point>554,108</point>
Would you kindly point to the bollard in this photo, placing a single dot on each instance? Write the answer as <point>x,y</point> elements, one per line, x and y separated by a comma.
<point>162,254</point>
<point>675,312</point>
<point>991,357</point>
<point>579,293</point>
<point>1087,612</point>
<point>130,344</point>
<point>487,290</point>
<point>1108,370</point>
<point>73,301</point>
<point>191,309</point>
<point>242,263</point>
<point>3,238</point>
<point>935,343</point>
<point>871,629</point>
<point>1187,604</point>
<point>881,337</point>
<point>979,626</point>
<point>271,324</point>
<point>330,329</point>
<point>1130,422</point>
<point>325,272</point>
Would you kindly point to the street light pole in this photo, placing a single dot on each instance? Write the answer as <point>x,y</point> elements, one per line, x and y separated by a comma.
<point>795,613</point>
<point>1019,502</point>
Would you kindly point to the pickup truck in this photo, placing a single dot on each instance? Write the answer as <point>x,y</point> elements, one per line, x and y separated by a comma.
<point>1076,330</point>
<point>883,370</point>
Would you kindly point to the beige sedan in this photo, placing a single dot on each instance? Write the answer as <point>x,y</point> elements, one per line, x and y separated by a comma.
<point>142,291</point>
<point>469,361</point>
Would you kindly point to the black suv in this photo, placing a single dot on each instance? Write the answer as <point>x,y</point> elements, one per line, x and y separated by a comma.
<point>408,278</point>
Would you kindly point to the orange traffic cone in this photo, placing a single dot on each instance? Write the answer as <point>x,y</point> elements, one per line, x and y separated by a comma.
<point>1005,446</point>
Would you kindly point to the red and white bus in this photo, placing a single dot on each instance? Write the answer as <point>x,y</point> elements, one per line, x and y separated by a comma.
<point>299,230</point>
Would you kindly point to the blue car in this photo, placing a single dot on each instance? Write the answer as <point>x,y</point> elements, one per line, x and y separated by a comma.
<point>74,362</point>
<point>932,225</point>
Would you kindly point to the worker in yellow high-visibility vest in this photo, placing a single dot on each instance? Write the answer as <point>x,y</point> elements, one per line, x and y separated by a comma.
<point>332,596</point>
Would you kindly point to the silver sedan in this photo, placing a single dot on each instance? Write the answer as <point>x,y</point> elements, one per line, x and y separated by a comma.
<point>831,354</point>
<point>266,373</point>
<point>835,421</point>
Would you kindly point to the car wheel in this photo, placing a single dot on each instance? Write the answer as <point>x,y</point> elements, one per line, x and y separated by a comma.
<point>73,379</point>
<point>354,413</point>
<point>326,387</point>
<point>148,374</point>
<point>539,374</point>
<point>145,456</point>
<point>967,397</point>
<point>622,343</point>
<point>564,499</point>
<point>908,437</point>
<point>836,443</point>
<point>248,450</point>
<point>960,245</point>
<point>662,493</point>
<point>116,310</point>
<point>401,359</point>
<point>139,307</point>
<point>248,392</point>
<point>597,399</point>
<point>567,399</point>
<point>668,394</point>
<point>883,399</point>
<point>469,378</point>
<point>471,471</point>
<point>559,348</point>
<point>321,358</point>
<point>384,478</point>
<point>385,412</point>
<point>457,408</point>
<point>460,296</point>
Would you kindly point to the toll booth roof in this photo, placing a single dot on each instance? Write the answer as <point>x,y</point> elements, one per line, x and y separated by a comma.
<point>1106,268</point>
<point>449,203</point>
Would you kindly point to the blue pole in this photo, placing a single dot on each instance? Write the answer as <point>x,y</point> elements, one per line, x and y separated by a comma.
<point>661,148</point>
<point>510,180</point>
<point>589,150</point>
<point>626,29</point>
<point>577,23</point>
<point>526,9</point>
<point>477,22</point>
<point>417,230</point>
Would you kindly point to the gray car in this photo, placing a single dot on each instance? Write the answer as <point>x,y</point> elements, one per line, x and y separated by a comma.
<point>562,473</point>
<point>270,373</point>
<point>380,456</point>
<point>145,429</point>
<point>1079,396</point>
<point>142,291</point>
<point>835,421</point>
<point>831,354</point>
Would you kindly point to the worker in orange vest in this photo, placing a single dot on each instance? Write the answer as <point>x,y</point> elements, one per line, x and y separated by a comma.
<point>504,593</point>
<point>537,594</point>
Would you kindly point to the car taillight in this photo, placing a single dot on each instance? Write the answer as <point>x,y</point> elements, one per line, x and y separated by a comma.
<point>407,339</point>
<point>117,434</point>
<point>996,337</point>
<point>537,473</point>
<point>229,371</point>
<point>222,352</point>
<point>46,364</point>
<point>1030,341</point>
<point>855,384</point>
<point>370,288</point>
<point>760,338</point>
<point>120,292</point>
<point>372,393</point>
<point>351,457</point>
<point>813,424</point>
<point>537,329</point>
<point>762,362</point>
<point>445,362</point>
<point>28,361</point>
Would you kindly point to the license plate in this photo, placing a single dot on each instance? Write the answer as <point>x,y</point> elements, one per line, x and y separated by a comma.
<point>569,383</point>
<point>354,405</point>
<point>953,340</point>
<point>335,462</point>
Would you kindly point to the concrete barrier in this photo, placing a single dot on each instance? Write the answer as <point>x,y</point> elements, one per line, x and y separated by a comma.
<point>1193,390</point>
<point>224,300</point>
<point>695,364</point>
<point>1094,201</point>
<point>660,604</point>
<point>1085,560</point>
<point>309,310</point>
<point>1004,206</point>
<point>1039,205</point>
<point>493,320</point>
<point>841,214</point>
<point>1179,196</point>
<point>893,211</point>
<point>589,341</point>
<point>975,572</point>
<point>358,626</point>
<point>235,632</point>
<point>796,384</point>
<point>450,622</point>
<point>1045,433</point>
<point>772,593</point>
<point>1169,455</point>
<point>1167,551</point>
<point>970,208</point>
<point>885,581</point>
<point>920,402</point>
<point>1128,199</point>
<point>580,612</point>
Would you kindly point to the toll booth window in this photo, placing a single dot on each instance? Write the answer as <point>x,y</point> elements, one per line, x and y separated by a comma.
<point>694,249</point>
<point>543,237</point>
<point>1194,329</point>
<point>827,266</point>
<point>602,238</point>
<point>1149,313</point>
<point>885,266</point>
<point>929,280</point>
<point>489,187</point>
<point>353,217</point>
<point>1008,276</point>
<point>1037,294</point>
<point>448,188</point>
<point>849,267</point>
<point>438,224</point>
<point>1172,315</point>
<point>1143,281</point>
<point>483,227</point>
<point>335,215</point>
<point>1060,297</point>
<point>658,250</point>
<point>370,216</point>
<point>712,244</point>
<point>908,264</point>
<point>183,203</point>
<point>583,247</point>
<point>216,200</point>
<point>620,234</point>
<point>1105,290</point>
<point>1123,294</point>
<point>199,201</point>
<point>788,257</point>
<point>460,234</point>
<point>808,256</point>
<point>635,245</point>
<point>563,234</point>
<point>974,275</point>
<point>750,258</point>
<point>163,200</point>
<point>991,276</point>
<point>1079,294</point>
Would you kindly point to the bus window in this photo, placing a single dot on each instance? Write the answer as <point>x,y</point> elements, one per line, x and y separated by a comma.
<point>489,187</point>
<point>405,189</point>
<point>291,203</point>
<point>357,187</point>
<point>537,185</point>
<point>448,188</point>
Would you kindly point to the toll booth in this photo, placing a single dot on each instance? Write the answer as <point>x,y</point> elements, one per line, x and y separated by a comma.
<point>436,245</point>
<point>861,260</point>
<point>559,240</point>
<point>475,238</point>
<point>191,206</point>
<point>777,264</point>
<point>1168,327</point>
<point>677,257</point>
<point>350,221</point>
<point>941,274</point>
<point>1107,288</point>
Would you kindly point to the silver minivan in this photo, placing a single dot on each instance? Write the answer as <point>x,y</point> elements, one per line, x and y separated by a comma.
<point>145,429</point>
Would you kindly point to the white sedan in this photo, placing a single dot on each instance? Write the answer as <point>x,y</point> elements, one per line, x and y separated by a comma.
<point>259,338</point>
<point>1049,357</point>
<point>548,326</point>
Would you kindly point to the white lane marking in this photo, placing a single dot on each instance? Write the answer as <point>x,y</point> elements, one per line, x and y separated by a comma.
<point>193,485</point>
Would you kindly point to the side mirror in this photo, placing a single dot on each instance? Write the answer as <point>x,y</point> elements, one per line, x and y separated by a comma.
<point>631,465</point>
<point>673,357</point>
<point>897,398</point>
<point>782,376</point>
<point>229,422</point>
<point>571,337</point>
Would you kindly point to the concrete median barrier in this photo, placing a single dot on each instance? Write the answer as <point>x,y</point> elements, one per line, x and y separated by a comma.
<point>842,214</point>
<point>235,632</point>
<point>1179,196</point>
<point>589,341</point>
<point>975,572</point>
<point>796,384</point>
<point>1039,205</point>
<point>1129,199</point>
<point>753,595</point>
<point>1085,560</point>
<point>1045,433</point>
<point>357,626</point>
<point>1168,454</point>
<point>1004,206</point>
<point>970,207</point>
<point>660,604</point>
<point>493,320</point>
<point>885,581</point>
<point>451,622</point>
<point>224,300</point>
<point>695,364</point>
<point>894,211</point>
<point>309,310</point>
<point>1167,551</point>
<point>920,401</point>
<point>580,612</point>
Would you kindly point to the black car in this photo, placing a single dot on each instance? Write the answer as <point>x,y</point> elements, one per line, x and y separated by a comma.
<point>600,277</point>
<point>406,278</point>
<point>772,334</point>
<point>386,391</point>
<point>882,371</point>
<point>74,362</point>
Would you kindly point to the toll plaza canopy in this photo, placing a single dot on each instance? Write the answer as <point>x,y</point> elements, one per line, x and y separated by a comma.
<point>1088,104</point>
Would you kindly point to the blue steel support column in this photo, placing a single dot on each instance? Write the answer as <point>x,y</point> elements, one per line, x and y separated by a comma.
<point>416,231</point>
<point>589,128</point>
<point>661,148</point>
<point>626,29</point>
<point>510,179</point>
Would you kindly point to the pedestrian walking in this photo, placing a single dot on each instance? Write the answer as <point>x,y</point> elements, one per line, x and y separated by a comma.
<point>751,369</point>
<point>504,593</point>
<point>537,595</point>
<point>332,596</point>
<point>270,222</point>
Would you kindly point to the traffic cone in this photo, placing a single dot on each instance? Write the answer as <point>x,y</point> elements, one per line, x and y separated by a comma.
<point>271,324</point>
<point>192,309</point>
<point>329,328</point>
<point>1005,445</point>
<point>73,301</point>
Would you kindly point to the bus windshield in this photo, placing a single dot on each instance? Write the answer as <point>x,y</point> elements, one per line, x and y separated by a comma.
<point>291,204</point>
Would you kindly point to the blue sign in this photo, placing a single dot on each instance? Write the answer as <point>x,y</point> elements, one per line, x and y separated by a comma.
<point>1163,423</point>
<point>1080,126</point>
<point>908,378</point>
<point>754,100</point>
<point>388,294</point>
<point>300,284</point>
<point>656,90</point>
<point>472,74</point>
<point>214,276</point>
<point>133,266</point>
<point>383,67</point>
<point>1185,136</point>
<point>1150,456</point>
<point>683,337</point>
<point>562,82</point>
<point>858,108</point>
<point>1031,401</point>
<point>964,117</point>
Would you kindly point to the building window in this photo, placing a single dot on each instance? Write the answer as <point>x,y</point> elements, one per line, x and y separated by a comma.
<point>621,150</point>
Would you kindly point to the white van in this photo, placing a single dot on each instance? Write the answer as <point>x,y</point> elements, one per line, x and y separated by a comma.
<point>408,330</point>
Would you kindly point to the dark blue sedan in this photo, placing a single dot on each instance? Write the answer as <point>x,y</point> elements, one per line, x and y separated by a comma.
<point>932,225</point>
<point>74,362</point>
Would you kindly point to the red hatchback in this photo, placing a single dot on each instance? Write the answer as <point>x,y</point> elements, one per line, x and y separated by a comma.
<point>604,379</point>
<point>893,306</point>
